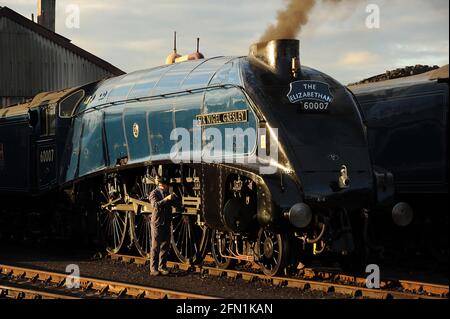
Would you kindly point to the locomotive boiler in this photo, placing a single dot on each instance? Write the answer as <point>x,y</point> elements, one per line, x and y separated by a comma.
<point>274,165</point>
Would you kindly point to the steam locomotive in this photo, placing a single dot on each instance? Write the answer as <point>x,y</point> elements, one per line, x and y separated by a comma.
<point>294,175</point>
<point>407,124</point>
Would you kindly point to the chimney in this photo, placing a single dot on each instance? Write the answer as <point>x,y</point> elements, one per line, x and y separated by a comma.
<point>46,14</point>
<point>282,57</point>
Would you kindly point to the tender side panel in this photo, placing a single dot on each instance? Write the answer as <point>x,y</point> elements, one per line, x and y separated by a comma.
<point>15,136</point>
<point>407,130</point>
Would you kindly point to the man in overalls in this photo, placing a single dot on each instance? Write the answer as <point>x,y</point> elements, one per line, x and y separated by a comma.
<point>161,222</point>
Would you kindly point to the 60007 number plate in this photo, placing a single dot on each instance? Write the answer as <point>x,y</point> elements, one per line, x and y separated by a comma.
<point>315,106</point>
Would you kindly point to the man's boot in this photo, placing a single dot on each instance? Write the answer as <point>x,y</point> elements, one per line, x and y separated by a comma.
<point>154,272</point>
<point>164,271</point>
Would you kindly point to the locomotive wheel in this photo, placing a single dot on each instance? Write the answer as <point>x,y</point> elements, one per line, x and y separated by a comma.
<point>140,228</point>
<point>220,246</point>
<point>271,249</point>
<point>140,223</point>
<point>113,224</point>
<point>188,238</point>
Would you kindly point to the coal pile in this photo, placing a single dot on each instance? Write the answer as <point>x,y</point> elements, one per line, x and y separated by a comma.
<point>399,73</point>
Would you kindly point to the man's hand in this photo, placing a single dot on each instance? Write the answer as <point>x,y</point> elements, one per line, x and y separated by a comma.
<point>167,198</point>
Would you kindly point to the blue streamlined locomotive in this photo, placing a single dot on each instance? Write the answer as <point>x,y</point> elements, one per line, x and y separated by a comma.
<point>102,144</point>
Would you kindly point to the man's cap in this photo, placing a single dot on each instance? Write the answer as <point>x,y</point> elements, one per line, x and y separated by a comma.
<point>162,180</point>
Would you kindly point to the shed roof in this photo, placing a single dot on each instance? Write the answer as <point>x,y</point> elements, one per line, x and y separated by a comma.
<point>58,39</point>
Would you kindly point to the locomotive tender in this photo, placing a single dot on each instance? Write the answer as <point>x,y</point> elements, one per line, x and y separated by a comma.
<point>407,121</point>
<point>407,128</point>
<point>102,144</point>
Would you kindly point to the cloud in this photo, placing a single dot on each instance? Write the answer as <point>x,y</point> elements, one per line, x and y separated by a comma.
<point>439,48</point>
<point>358,59</point>
<point>143,45</point>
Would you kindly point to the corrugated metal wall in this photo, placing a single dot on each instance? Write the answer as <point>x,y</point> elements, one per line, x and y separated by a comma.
<point>30,63</point>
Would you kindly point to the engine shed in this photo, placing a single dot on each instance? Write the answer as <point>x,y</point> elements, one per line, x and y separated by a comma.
<point>34,59</point>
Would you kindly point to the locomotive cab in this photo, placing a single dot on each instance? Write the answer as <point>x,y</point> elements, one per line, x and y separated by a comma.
<point>40,127</point>
<point>55,116</point>
<point>45,145</point>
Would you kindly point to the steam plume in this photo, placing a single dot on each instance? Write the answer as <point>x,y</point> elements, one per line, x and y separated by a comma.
<point>291,19</point>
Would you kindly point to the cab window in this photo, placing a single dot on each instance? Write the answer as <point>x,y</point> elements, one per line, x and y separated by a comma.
<point>51,119</point>
<point>70,103</point>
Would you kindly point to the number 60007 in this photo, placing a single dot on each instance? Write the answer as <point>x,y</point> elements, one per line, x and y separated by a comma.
<point>315,106</point>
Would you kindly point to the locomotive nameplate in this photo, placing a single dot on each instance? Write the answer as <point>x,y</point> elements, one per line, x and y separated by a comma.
<point>313,96</point>
<point>222,118</point>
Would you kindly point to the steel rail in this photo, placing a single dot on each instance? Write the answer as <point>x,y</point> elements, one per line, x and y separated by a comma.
<point>325,281</point>
<point>99,286</point>
<point>15,292</point>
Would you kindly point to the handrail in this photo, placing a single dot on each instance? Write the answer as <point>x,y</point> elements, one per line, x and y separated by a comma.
<point>156,97</point>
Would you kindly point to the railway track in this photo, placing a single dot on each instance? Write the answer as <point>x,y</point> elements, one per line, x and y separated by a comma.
<point>28,283</point>
<point>13,292</point>
<point>325,281</point>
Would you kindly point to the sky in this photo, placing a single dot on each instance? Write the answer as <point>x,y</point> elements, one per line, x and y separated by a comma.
<point>138,34</point>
